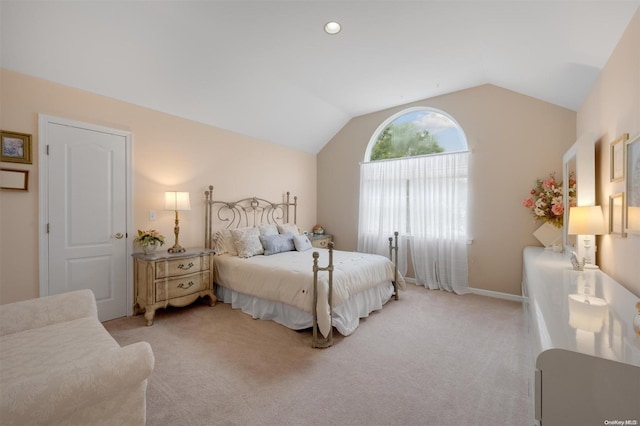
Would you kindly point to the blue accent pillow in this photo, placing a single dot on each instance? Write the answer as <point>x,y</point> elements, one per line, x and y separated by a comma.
<point>277,243</point>
<point>301,242</point>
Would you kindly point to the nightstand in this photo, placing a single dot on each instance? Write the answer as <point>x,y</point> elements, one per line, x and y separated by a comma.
<point>177,279</point>
<point>320,240</point>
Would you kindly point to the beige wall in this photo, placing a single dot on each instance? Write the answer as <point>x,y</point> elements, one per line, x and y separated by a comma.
<point>514,140</point>
<point>169,153</point>
<point>611,109</point>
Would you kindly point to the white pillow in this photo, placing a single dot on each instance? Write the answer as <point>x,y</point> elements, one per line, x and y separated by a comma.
<point>268,229</point>
<point>247,241</point>
<point>302,242</point>
<point>223,243</point>
<point>290,228</point>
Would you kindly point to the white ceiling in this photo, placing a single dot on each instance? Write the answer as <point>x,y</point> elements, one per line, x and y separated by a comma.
<point>266,68</point>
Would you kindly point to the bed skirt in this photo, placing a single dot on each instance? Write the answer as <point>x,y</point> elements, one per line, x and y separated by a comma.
<point>345,318</point>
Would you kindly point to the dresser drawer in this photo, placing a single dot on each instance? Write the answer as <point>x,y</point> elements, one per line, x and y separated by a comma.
<point>174,267</point>
<point>183,285</point>
<point>321,242</point>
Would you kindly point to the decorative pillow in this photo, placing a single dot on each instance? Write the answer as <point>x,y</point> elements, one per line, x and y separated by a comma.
<point>288,228</point>
<point>269,229</point>
<point>247,241</point>
<point>277,243</point>
<point>301,242</point>
<point>223,243</point>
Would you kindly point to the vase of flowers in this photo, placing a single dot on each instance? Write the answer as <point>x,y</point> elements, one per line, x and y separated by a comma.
<point>546,200</point>
<point>149,240</point>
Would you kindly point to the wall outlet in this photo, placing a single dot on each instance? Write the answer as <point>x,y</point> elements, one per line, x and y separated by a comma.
<point>152,215</point>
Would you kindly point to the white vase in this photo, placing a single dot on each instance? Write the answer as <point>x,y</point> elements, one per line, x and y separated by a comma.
<point>149,248</point>
<point>548,235</point>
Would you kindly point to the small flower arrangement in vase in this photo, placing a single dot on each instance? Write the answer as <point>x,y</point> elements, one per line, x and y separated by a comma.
<point>318,229</point>
<point>545,200</point>
<point>547,205</point>
<point>149,240</point>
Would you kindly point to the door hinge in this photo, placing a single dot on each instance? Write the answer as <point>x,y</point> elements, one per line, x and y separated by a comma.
<point>47,228</point>
<point>47,149</point>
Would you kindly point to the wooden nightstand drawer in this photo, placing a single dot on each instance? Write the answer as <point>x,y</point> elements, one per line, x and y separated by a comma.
<point>321,241</point>
<point>181,286</point>
<point>174,267</point>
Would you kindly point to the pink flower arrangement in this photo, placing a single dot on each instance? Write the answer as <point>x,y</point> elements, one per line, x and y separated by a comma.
<point>545,200</point>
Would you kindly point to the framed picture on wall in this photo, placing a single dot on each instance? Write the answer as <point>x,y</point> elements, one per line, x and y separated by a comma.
<point>632,176</point>
<point>616,214</point>
<point>17,180</point>
<point>617,158</point>
<point>15,147</point>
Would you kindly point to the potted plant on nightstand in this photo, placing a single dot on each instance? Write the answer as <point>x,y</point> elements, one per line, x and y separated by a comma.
<point>149,240</point>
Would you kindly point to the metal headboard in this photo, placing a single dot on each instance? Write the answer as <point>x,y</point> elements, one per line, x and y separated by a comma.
<point>252,211</point>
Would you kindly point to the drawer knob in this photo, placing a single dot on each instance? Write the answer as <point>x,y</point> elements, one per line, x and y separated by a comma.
<point>185,286</point>
<point>186,268</point>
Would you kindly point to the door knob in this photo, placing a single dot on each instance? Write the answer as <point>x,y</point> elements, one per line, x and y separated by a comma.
<point>119,235</point>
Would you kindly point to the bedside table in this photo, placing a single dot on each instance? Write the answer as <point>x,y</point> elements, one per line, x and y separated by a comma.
<point>177,279</point>
<point>320,240</point>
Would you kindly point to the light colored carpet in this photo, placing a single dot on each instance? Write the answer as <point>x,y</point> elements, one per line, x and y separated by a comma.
<point>431,358</point>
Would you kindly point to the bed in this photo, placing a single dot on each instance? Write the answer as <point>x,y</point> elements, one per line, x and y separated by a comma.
<point>268,269</point>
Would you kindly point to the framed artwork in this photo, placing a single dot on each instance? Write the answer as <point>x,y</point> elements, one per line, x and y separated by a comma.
<point>632,172</point>
<point>616,156</point>
<point>616,214</point>
<point>14,179</point>
<point>16,147</point>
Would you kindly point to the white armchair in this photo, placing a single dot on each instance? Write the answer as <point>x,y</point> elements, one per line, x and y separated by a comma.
<point>58,365</point>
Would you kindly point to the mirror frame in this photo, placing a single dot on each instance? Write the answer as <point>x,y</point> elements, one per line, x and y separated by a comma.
<point>584,153</point>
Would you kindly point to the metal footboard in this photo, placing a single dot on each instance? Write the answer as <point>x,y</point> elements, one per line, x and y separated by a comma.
<point>320,341</point>
<point>393,253</point>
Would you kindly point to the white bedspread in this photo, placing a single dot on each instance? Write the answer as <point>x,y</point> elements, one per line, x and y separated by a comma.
<point>288,278</point>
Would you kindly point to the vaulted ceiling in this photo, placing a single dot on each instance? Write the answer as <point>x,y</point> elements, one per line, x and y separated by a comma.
<point>267,69</point>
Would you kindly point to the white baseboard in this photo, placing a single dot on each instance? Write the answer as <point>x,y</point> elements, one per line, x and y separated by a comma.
<point>497,295</point>
<point>481,292</point>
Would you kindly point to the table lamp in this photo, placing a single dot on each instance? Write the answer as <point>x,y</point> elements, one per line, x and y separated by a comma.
<point>586,221</point>
<point>176,201</point>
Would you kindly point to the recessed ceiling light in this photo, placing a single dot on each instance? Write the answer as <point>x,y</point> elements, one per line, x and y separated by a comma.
<point>332,28</point>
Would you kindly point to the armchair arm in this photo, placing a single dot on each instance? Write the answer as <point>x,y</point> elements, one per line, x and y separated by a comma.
<point>51,397</point>
<point>35,313</point>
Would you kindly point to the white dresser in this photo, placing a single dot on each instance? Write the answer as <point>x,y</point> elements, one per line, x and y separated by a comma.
<point>586,352</point>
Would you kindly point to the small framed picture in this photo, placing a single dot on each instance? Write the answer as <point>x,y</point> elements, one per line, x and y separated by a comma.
<point>617,158</point>
<point>616,214</point>
<point>14,179</point>
<point>632,175</point>
<point>16,147</point>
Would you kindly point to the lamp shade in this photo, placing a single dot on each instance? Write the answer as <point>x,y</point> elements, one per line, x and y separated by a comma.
<point>586,220</point>
<point>176,201</point>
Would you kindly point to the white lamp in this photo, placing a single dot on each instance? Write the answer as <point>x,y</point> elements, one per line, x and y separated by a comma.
<point>176,201</point>
<point>586,221</point>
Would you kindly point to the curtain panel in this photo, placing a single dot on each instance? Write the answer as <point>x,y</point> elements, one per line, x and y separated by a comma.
<point>425,199</point>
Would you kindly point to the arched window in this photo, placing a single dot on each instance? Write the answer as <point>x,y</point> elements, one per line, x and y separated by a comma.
<point>414,132</point>
<point>414,181</point>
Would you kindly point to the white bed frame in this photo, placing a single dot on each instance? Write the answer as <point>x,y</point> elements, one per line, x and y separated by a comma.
<point>256,211</point>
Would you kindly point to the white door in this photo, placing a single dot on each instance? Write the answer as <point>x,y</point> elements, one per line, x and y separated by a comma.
<point>86,213</point>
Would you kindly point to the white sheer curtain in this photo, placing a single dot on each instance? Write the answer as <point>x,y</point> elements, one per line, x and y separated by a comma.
<point>383,207</point>
<point>425,199</point>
